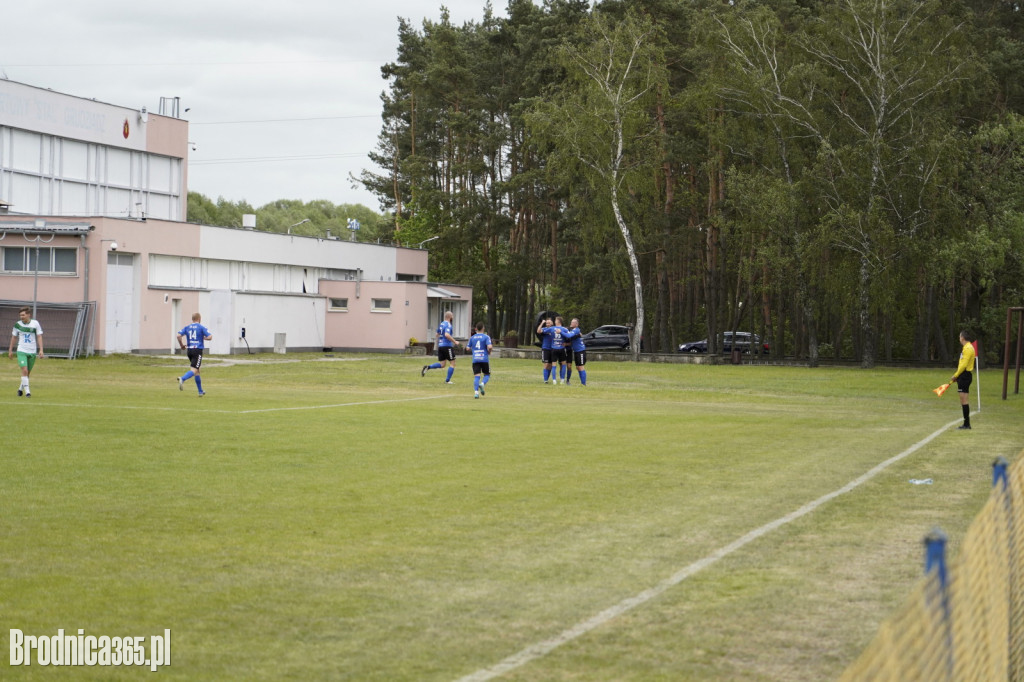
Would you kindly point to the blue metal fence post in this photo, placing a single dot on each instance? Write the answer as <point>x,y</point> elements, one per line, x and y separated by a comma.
<point>1000,473</point>
<point>999,468</point>
<point>935,560</point>
<point>935,554</point>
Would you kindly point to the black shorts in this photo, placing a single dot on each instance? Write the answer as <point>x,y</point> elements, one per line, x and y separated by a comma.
<point>545,355</point>
<point>579,357</point>
<point>195,357</point>
<point>446,353</point>
<point>963,382</point>
<point>482,368</point>
<point>559,355</point>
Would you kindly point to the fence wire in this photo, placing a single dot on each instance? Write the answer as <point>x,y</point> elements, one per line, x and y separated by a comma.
<point>969,627</point>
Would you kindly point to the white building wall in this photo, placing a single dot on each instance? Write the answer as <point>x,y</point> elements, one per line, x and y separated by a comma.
<point>301,318</point>
<point>67,156</point>
<point>376,262</point>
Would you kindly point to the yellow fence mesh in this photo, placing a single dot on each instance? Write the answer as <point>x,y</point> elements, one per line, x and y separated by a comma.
<point>969,626</point>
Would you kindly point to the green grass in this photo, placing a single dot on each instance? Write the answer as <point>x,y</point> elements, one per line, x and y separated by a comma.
<point>344,518</point>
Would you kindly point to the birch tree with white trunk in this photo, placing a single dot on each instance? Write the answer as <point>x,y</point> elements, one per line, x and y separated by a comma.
<point>601,119</point>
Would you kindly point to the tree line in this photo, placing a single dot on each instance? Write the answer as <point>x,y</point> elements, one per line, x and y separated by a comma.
<point>320,218</point>
<point>842,177</point>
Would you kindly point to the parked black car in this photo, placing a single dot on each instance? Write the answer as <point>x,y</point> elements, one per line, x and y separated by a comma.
<point>743,343</point>
<point>613,336</point>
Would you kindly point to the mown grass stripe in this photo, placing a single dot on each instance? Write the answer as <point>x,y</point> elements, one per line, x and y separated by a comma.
<point>541,649</point>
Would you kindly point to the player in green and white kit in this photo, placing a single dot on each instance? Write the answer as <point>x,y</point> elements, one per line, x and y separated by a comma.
<point>29,335</point>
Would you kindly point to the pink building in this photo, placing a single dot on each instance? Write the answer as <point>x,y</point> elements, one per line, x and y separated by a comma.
<point>92,203</point>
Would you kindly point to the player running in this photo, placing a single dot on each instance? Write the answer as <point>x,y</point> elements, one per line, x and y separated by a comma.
<point>446,344</point>
<point>196,334</point>
<point>480,345</point>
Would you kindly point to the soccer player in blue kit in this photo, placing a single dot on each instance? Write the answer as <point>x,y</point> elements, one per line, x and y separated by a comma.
<point>545,347</point>
<point>480,345</point>
<point>556,333</point>
<point>196,334</point>
<point>446,344</point>
<point>578,350</point>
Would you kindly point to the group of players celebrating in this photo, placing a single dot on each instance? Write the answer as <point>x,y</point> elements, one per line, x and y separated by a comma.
<point>562,346</point>
<point>558,345</point>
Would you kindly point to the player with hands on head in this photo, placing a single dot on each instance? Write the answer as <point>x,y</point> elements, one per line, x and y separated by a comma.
<point>545,347</point>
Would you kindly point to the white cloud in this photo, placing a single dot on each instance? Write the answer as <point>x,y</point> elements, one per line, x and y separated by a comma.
<point>231,61</point>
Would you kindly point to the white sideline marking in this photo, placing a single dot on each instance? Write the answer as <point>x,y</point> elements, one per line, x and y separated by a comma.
<point>541,649</point>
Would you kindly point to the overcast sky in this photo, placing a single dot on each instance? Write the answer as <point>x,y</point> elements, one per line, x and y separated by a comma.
<point>283,99</point>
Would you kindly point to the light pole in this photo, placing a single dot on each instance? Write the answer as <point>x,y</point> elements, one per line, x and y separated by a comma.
<point>428,240</point>
<point>40,224</point>
<point>304,220</point>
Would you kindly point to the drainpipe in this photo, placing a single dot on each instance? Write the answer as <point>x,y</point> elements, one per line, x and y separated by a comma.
<point>85,284</point>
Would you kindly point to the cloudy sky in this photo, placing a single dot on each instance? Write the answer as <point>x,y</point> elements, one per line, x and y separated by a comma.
<point>282,99</point>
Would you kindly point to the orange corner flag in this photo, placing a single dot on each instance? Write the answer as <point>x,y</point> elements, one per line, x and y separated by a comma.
<point>940,390</point>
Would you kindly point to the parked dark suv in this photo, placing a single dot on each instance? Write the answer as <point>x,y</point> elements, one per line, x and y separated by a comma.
<point>744,342</point>
<point>613,336</point>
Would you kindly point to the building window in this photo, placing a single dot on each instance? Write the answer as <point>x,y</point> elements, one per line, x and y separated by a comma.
<point>51,259</point>
<point>381,305</point>
<point>339,304</point>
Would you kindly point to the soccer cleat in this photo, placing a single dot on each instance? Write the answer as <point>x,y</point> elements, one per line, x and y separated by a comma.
<point>476,394</point>
<point>447,381</point>
<point>181,384</point>
<point>202,393</point>
<point>20,392</point>
<point>965,427</point>
<point>29,395</point>
<point>423,372</point>
<point>482,392</point>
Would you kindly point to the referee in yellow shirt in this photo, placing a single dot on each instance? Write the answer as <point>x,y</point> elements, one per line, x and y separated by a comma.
<point>963,376</point>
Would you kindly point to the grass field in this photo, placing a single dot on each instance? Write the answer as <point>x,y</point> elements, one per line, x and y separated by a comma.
<point>342,518</point>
